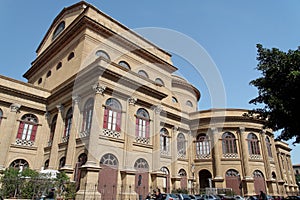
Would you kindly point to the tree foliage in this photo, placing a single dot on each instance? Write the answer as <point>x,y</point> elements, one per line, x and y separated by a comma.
<point>28,184</point>
<point>278,91</point>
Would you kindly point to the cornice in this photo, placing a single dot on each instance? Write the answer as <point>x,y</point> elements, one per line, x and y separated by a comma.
<point>185,86</point>
<point>23,94</point>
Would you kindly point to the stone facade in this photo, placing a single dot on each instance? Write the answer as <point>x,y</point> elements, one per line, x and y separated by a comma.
<point>103,105</point>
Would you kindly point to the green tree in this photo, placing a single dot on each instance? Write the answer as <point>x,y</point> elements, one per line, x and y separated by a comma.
<point>278,91</point>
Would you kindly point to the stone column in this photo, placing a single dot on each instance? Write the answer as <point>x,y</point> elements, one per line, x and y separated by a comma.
<point>174,152</point>
<point>156,138</point>
<point>245,154</point>
<point>265,155</point>
<point>9,128</point>
<point>247,177</point>
<point>53,162</point>
<point>90,170</point>
<point>74,132</point>
<point>218,179</point>
<point>129,133</point>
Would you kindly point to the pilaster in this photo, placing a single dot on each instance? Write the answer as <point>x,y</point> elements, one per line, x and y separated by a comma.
<point>74,132</point>
<point>53,163</point>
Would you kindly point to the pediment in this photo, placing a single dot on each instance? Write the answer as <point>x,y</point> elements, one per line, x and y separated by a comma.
<point>61,23</point>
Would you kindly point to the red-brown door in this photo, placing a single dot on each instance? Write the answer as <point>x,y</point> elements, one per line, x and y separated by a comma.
<point>141,184</point>
<point>108,177</point>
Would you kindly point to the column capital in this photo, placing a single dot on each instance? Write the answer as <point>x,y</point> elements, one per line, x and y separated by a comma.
<point>242,129</point>
<point>263,132</point>
<point>60,108</point>
<point>98,88</point>
<point>76,98</point>
<point>158,109</point>
<point>175,128</point>
<point>132,100</point>
<point>214,130</point>
<point>47,115</point>
<point>14,107</point>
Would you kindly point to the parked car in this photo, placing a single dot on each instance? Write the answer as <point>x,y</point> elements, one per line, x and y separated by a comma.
<point>170,196</point>
<point>238,197</point>
<point>183,197</point>
<point>210,197</point>
<point>198,196</point>
<point>292,198</point>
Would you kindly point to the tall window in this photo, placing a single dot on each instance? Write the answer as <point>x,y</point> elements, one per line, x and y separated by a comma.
<point>112,115</point>
<point>253,144</point>
<point>1,115</point>
<point>164,140</point>
<point>202,146</point>
<point>87,115</point>
<point>58,30</point>
<point>68,123</point>
<point>52,128</point>
<point>268,144</point>
<point>181,145</point>
<point>229,143</point>
<point>27,128</point>
<point>142,123</point>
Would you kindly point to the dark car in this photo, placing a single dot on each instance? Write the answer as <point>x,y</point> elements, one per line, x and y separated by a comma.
<point>292,197</point>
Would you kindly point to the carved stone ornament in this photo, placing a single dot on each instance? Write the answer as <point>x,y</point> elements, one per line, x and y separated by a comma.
<point>175,128</point>
<point>76,99</point>
<point>60,108</point>
<point>15,107</point>
<point>132,100</point>
<point>47,115</point>
<point>99,89</point>
<point>158,109</point>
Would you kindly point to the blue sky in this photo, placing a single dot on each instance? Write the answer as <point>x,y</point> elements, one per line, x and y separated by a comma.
<point>227,30</point>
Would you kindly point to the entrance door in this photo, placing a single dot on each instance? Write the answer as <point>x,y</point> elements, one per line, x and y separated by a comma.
<point>259,182</point>
<point>233,181</point>
<point>142,178</point>
<point>108,177</point>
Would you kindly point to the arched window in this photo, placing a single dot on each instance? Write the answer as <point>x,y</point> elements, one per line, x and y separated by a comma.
<point>40,80</point>
<point>181,145</point>
<point>62,162</point>
<point>253,145</point>
<point>143,73</point>
<point>103,54</point>
<point>269,147</point>
<point>182,173</point>
<point>202,146</point>
<point>141,164</point>
<point>58,66</point>
<point>71,55</point>
<point>164,141</point>
<point>174,100</point>
<point>112,115</point>
<point>52,129</point>
<point>1,115</point>
<point>159,81</point>
<point>189,103</point>
<point>28,127</point>
<point>19,164</point>
<point>229,143</point>
<point>124,64</point>
<point>87,116</point>
<point>274,175</point>
<point>48,74</point>
<point>142,129</point>
<point>68,123</point>
<point>46,164</point>
<point>58,30</point>
<point>232,172</point>
<point>109,160</point>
